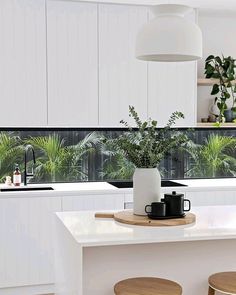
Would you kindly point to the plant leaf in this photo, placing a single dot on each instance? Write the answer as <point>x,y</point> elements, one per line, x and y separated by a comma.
<point>210,57</point>
<point>218,59</point>
<point>215,75</point>
<point>215,89</point>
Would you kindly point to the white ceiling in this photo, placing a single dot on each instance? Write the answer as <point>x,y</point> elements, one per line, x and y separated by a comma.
<point>220,5</point>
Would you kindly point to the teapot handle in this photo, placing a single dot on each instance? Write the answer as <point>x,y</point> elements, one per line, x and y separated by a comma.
<point>189,205</point>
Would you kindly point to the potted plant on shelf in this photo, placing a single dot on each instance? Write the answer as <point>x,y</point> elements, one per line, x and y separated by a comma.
<point>222,69</point>
<point>145,146</point>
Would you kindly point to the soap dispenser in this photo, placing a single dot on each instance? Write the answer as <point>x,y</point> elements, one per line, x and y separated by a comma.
<point>17,176</point>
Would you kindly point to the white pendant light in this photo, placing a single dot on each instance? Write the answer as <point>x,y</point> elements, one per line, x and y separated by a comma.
<point>169,37</point>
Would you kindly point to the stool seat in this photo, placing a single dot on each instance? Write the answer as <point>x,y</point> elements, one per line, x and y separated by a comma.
<point>224,282</point>
<point>147,286</point>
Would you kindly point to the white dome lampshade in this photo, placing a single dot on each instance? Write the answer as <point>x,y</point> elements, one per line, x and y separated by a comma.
<point>169,37</point>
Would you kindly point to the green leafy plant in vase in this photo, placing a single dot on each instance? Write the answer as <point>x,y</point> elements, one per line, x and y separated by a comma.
<point>145,146</point>
<point>222,69</point>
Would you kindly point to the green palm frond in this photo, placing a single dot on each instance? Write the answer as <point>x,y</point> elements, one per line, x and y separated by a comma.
<point>85,146</point>
<point>213,158</point>
<point>51,145</point>
<point>117,167</point>
<point>57,162</point>
<point>11,152</point>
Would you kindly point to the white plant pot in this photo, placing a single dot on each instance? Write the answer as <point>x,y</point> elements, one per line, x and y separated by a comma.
<point>146,188</point>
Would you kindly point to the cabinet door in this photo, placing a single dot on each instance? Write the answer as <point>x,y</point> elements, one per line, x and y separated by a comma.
<point>93,202</point>
<point>23,63</point>
<point>122,78</point>
<point>72,63</point>
<point>26,243</point>
<point>172,87</point>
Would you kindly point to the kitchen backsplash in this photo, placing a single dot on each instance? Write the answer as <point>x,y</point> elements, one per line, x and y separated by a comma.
<point>79,154</point>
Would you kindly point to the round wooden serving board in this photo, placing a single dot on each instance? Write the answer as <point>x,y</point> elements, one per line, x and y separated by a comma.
<point>128,217</point>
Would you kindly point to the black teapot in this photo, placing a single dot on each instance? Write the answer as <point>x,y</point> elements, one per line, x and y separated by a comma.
<point>175,204</point>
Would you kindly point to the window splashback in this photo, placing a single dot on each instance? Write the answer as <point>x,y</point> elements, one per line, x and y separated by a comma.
<point>79,154</point>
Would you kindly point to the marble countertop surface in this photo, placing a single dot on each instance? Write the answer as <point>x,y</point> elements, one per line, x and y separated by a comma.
<point>212,223</point>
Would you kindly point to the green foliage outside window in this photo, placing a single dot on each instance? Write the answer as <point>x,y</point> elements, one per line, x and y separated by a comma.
<point>96,156</point>
<point>11,151</point>
<point>213,158</point>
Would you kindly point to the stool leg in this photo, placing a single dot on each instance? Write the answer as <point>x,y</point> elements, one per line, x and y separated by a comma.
<point>211,291</point>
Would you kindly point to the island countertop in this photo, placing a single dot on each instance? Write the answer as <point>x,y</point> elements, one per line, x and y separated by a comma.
<point>212,223</point>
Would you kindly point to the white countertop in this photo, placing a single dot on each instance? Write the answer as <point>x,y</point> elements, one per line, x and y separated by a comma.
<point>219,184</point>
<point>86,188</point>
<point>212,223</point>
<point>62,189</point>
<point>208,183</point>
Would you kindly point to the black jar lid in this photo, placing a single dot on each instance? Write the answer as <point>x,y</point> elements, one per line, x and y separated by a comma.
<point>174,194</point>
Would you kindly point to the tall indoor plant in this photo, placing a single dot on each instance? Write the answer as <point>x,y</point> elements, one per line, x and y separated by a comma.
<point>145,146</point>
<point>222,69</point>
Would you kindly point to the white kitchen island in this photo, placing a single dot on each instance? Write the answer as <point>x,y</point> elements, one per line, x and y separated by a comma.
<point>93,254</point>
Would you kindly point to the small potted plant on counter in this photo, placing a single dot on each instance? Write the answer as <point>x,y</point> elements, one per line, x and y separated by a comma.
<point>145,146</point>
<point>222,69</point>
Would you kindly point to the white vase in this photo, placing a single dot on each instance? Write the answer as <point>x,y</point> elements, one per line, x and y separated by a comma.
<point>213,108</point>
<point>146,188</point>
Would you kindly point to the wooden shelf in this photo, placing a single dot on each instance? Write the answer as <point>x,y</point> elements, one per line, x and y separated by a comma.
<point>211,124</point>
<point>206,82</point>
<point>209,82</point>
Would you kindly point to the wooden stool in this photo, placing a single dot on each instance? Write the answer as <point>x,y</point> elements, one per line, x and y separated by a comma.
<point>147,286</point>
<point>224,282</point>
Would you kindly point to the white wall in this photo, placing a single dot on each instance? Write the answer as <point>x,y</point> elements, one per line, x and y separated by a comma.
<point>218,29</point>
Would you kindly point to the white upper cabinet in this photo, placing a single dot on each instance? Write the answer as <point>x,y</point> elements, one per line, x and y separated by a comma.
<point>72,63</point>
<point>172,87</point>
<point>23,63</point>
<point>122,78</point>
